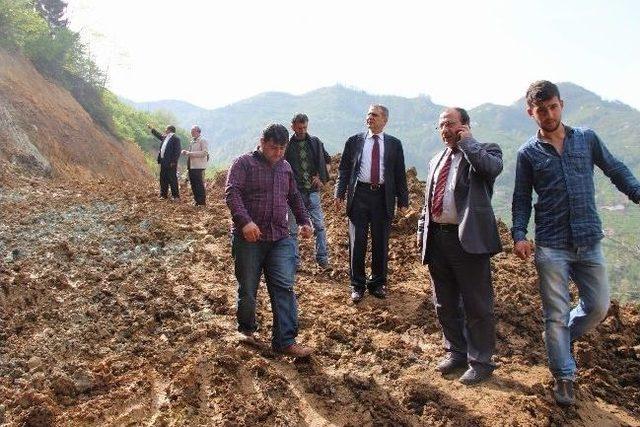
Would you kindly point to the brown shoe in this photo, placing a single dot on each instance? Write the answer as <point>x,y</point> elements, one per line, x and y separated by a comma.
<point>296,350</point>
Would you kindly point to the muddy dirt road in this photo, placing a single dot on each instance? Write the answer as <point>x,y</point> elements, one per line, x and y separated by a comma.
<point>117,308</point>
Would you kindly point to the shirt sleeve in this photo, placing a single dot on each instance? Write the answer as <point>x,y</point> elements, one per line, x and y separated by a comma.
<point>486,159</point>
<point>236,180</point>
<point>618,172</point>
<point>521,202</point>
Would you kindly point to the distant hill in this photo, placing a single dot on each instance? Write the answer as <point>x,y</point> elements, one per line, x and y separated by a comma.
<point>188,113</point>
<point>337,112</point>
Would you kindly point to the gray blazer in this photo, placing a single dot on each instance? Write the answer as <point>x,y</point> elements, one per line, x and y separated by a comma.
<point>479,167</point>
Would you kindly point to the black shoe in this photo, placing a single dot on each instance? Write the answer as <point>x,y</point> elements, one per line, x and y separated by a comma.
<point>563,392</point>
<point>475,376</point>
<point>450,364</point>
<point>357,295</point>
<point>378,293</point>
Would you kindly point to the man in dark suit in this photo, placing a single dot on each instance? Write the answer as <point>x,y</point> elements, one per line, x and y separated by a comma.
<point>373,177</point>
<point>457,234</point>
<point>168,160</point>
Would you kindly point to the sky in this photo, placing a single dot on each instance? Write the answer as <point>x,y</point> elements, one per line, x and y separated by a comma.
<point>462,53</point>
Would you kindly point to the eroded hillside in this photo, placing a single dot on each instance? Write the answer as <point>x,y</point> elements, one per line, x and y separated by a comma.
<point>45,132</point>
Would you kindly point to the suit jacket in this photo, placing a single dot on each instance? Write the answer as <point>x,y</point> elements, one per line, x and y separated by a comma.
<point>172,150</point>
<point>395,176</point>
<point>479,167</point>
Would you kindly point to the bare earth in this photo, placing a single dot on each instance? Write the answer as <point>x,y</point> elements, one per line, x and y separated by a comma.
<point>118,309</point>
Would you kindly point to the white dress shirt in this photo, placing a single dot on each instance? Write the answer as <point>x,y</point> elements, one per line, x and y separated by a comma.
<point>364,174</point>
<point>449,211</point>
<point>164,144</point>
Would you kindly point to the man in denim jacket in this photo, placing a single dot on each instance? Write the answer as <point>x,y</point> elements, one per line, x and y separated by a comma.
<point>558,164</point>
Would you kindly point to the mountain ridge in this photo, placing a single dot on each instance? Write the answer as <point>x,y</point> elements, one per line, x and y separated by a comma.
<point>336,112</point>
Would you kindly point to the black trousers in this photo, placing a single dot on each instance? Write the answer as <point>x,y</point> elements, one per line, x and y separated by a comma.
<point>463,298</point>
<point>169,177</point>
<point>368,211</point>
<point>196,178</point>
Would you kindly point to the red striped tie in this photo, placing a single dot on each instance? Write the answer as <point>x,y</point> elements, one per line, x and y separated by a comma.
<point>438,192</point>
<point>375,161</point>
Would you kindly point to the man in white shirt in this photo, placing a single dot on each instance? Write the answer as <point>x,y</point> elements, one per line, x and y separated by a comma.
<point>372,178</point>
<point>168,160</point>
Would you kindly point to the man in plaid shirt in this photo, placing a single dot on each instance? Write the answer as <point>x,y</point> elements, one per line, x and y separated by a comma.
<point>260,188</point>
<point>558,164</point>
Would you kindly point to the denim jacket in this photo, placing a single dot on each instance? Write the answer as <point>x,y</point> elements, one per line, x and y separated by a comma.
<point>565,212</point>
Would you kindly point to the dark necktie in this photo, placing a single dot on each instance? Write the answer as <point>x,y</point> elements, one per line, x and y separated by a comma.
<point>375,161</point>
<point>441,183</point>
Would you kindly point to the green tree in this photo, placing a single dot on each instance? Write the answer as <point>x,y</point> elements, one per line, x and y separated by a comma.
<point>53,12</point>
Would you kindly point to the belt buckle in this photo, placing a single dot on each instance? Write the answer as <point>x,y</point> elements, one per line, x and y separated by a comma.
<point>374,187</point>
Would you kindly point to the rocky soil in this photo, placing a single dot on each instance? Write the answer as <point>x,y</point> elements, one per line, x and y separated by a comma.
<point>117,308</point>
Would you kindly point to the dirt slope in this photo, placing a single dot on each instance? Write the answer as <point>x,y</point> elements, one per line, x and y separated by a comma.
<point>118,309</point>
<point>45,132</point>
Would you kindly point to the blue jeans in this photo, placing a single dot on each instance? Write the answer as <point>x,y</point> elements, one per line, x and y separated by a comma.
<point>277,261</point>
<point>586,267</point>
<point>312,203</point>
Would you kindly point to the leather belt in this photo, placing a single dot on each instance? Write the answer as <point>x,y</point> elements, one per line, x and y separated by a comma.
<point>447,228</point>
<point>372,187</point>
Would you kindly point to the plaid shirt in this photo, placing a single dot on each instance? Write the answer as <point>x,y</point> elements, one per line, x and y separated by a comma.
<point>258,192</point>
<point>565,212</point>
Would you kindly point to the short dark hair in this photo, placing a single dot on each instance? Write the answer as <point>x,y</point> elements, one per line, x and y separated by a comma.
<point>276,133</point>
<point>464,116</point>
<point>540,91</point>
<point>382,108</point>
<point>171,128</point>
<point>300,118</point>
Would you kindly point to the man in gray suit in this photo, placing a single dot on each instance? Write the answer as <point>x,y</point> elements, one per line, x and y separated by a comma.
<point>457,234</point>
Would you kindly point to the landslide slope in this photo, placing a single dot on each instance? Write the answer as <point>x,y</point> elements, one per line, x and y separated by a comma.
<point>44,131</point>
<point>118,309</point>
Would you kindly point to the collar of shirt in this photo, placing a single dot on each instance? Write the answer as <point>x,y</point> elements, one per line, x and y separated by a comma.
<point>380,135</point>
<point>294,139</point>
<point>257,154</point>
<point>568,132</point>
<point>449,150</point>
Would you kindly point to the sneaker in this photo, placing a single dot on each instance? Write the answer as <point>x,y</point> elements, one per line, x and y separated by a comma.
<point>475,376</point>
<point>296,350</point>
<point>451,363</point>
<point>563,392</point>
<point>357,295</point>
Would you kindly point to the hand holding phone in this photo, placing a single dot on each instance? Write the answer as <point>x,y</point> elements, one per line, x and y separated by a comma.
<point>464,132</point>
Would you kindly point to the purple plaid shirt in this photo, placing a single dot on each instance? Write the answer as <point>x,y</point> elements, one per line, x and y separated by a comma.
<point>258,192</point>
